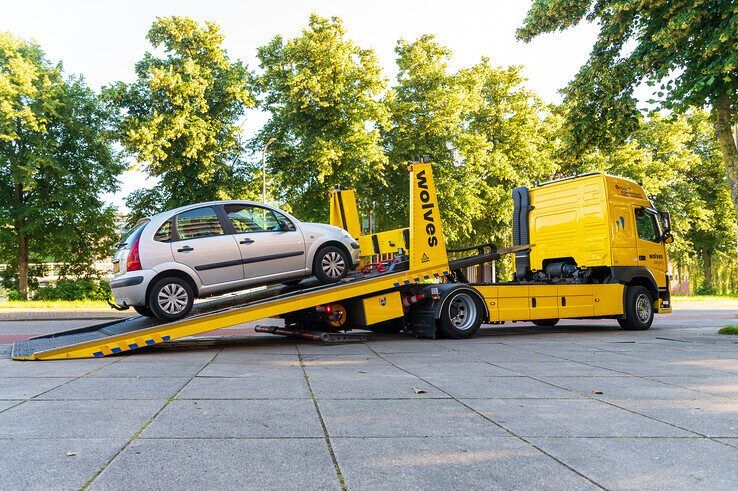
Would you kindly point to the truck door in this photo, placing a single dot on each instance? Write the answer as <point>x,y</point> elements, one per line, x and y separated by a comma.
<point>651,250</point>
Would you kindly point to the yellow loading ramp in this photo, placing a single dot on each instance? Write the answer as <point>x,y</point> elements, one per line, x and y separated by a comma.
<point>428,260</point>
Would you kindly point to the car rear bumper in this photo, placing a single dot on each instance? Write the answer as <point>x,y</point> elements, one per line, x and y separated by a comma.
<point>129,289</point>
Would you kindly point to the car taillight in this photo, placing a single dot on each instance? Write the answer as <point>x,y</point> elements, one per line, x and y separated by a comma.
<point>134,260</point>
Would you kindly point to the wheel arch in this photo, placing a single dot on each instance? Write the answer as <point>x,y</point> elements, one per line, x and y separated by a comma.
<point>177,273</point>
<point>445,292</point>
<point>329,242</point>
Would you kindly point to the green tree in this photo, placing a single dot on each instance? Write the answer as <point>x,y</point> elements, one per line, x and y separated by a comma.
<point>56,159</point>
<point>180,116</point>
<point>689,49</point>
<point>323,95</point>
<point>426,108</point>
<point>485,132</point>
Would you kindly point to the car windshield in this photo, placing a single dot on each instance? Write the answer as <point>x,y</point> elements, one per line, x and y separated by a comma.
<point>133,234</point>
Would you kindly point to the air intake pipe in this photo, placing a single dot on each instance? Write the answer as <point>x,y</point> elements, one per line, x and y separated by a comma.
<point>521,231</point>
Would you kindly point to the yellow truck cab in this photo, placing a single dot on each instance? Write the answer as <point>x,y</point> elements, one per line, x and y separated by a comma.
<point>593,229</point>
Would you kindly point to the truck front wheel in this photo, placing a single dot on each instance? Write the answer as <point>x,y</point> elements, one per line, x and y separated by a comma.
<point>461,316</point>
<point>638,309</point>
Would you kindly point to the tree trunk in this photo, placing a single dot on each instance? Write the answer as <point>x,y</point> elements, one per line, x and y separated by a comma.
<point>23,256</point>
<point>707,269</point>
<point>724,134</point>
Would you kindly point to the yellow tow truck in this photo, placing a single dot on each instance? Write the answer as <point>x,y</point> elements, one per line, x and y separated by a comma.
<point>591,246</point>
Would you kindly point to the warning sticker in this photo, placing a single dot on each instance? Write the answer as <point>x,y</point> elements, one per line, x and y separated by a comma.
<point>425,258</point>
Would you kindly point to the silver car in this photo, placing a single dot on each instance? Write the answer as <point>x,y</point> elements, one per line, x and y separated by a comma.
<point>169,259</point>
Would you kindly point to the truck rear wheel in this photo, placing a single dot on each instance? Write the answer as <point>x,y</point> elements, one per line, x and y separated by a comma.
<point>638,309</point>
<point>461,316</point>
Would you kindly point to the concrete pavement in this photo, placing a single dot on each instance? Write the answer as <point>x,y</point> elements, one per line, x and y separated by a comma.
<point>581,405</point>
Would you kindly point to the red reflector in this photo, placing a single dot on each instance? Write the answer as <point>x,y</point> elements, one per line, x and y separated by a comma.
<point>134,260</point>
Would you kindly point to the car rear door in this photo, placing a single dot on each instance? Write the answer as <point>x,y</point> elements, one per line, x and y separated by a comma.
<point>268,251</point>
<point>203,245</point>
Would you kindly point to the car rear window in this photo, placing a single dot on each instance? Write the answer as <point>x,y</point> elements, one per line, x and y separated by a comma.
<point>164,234</point>
<point>134,233</point>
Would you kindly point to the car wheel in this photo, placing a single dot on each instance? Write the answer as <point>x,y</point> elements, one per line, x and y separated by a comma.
<point>331,264</point>
<point>143,310</point>
<point>545,322</point>
<point>171,299</point>
<point>461,315</point>
<point>638,309</point>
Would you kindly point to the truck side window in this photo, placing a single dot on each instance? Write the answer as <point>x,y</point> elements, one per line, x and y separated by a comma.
<point>646,225</point>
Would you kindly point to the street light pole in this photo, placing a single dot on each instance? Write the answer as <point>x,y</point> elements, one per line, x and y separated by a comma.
<point>263,171</point>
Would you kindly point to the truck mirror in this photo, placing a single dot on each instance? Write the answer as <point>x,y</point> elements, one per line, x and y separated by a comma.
<point>666,222</point>
<point>668,238</point>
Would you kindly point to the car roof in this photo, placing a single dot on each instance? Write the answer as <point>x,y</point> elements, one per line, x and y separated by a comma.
<point>175,211</point>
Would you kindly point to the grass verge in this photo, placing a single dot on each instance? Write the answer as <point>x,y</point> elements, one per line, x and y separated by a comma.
<point>728,329</point>
<point>53,304</point>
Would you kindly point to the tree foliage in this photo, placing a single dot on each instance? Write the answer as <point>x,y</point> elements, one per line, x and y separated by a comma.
<point>56,160</point>
<point>322,92</point>
<point>688,49</point>
<point>180,117</point>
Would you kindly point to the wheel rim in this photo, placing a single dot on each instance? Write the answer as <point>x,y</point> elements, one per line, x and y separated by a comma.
<point>463,312</point>
<point>333,265</point>
<point>172,298</point>
<point>643,307</point>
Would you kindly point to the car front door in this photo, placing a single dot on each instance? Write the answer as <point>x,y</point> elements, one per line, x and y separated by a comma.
<point>203,245</point>
<point>272,247</point>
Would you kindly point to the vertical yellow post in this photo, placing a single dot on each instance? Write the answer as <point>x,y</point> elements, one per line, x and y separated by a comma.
<point>344,212</point>
<point>427,243</point>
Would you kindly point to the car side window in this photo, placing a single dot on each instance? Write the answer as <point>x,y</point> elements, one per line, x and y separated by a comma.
<point>164,234</point>
<point>250,219</point>
<point>197,223</point>
<point>283,219</point>
<point>646,226</point>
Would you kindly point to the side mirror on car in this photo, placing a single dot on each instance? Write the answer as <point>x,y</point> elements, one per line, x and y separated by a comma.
<point>285,226</point>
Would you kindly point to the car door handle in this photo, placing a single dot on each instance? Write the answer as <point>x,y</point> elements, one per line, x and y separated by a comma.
<point>246,241</point>
<point>185,249</point>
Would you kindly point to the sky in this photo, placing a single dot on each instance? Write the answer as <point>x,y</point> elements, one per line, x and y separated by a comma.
<point>102,40</point>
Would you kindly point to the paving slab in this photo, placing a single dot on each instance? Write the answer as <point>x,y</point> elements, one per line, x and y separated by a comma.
<point>6,404</point>
<point>236,419</point>
<point>242,356</point>
<point>450,463</point>
<point>560,367</point>
<point>173,354</point>
<point>403,418</point>
<point>25,388</point>
<point>630,387</point>
<point>648,463</point>
<point>221,464</point>
<point>570,418</point>
<point>291,385</point>
<point>266,370</point>
<point>468,368</point>
<point>151,369</point>
<point>53,368</point>
<point>77,419</point>
<point>45,463</point>
<point>472,384</point>
<point>710,416</point>
<point>117,388</point>
<point>368,382</point>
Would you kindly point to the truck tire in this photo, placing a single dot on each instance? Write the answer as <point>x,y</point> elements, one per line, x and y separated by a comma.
<point>638,309</point>
<point>171,299</point>
<point>545,322</point>
<point>331,264</point>
<point>461,315</point>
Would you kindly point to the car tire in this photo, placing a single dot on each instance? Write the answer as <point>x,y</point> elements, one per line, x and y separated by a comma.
<point>639,309</point>
<point>171,299</point>
<point>461,315</point>
<point>331,264</point>
<point>545,322</point>
<point>143,310</point>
